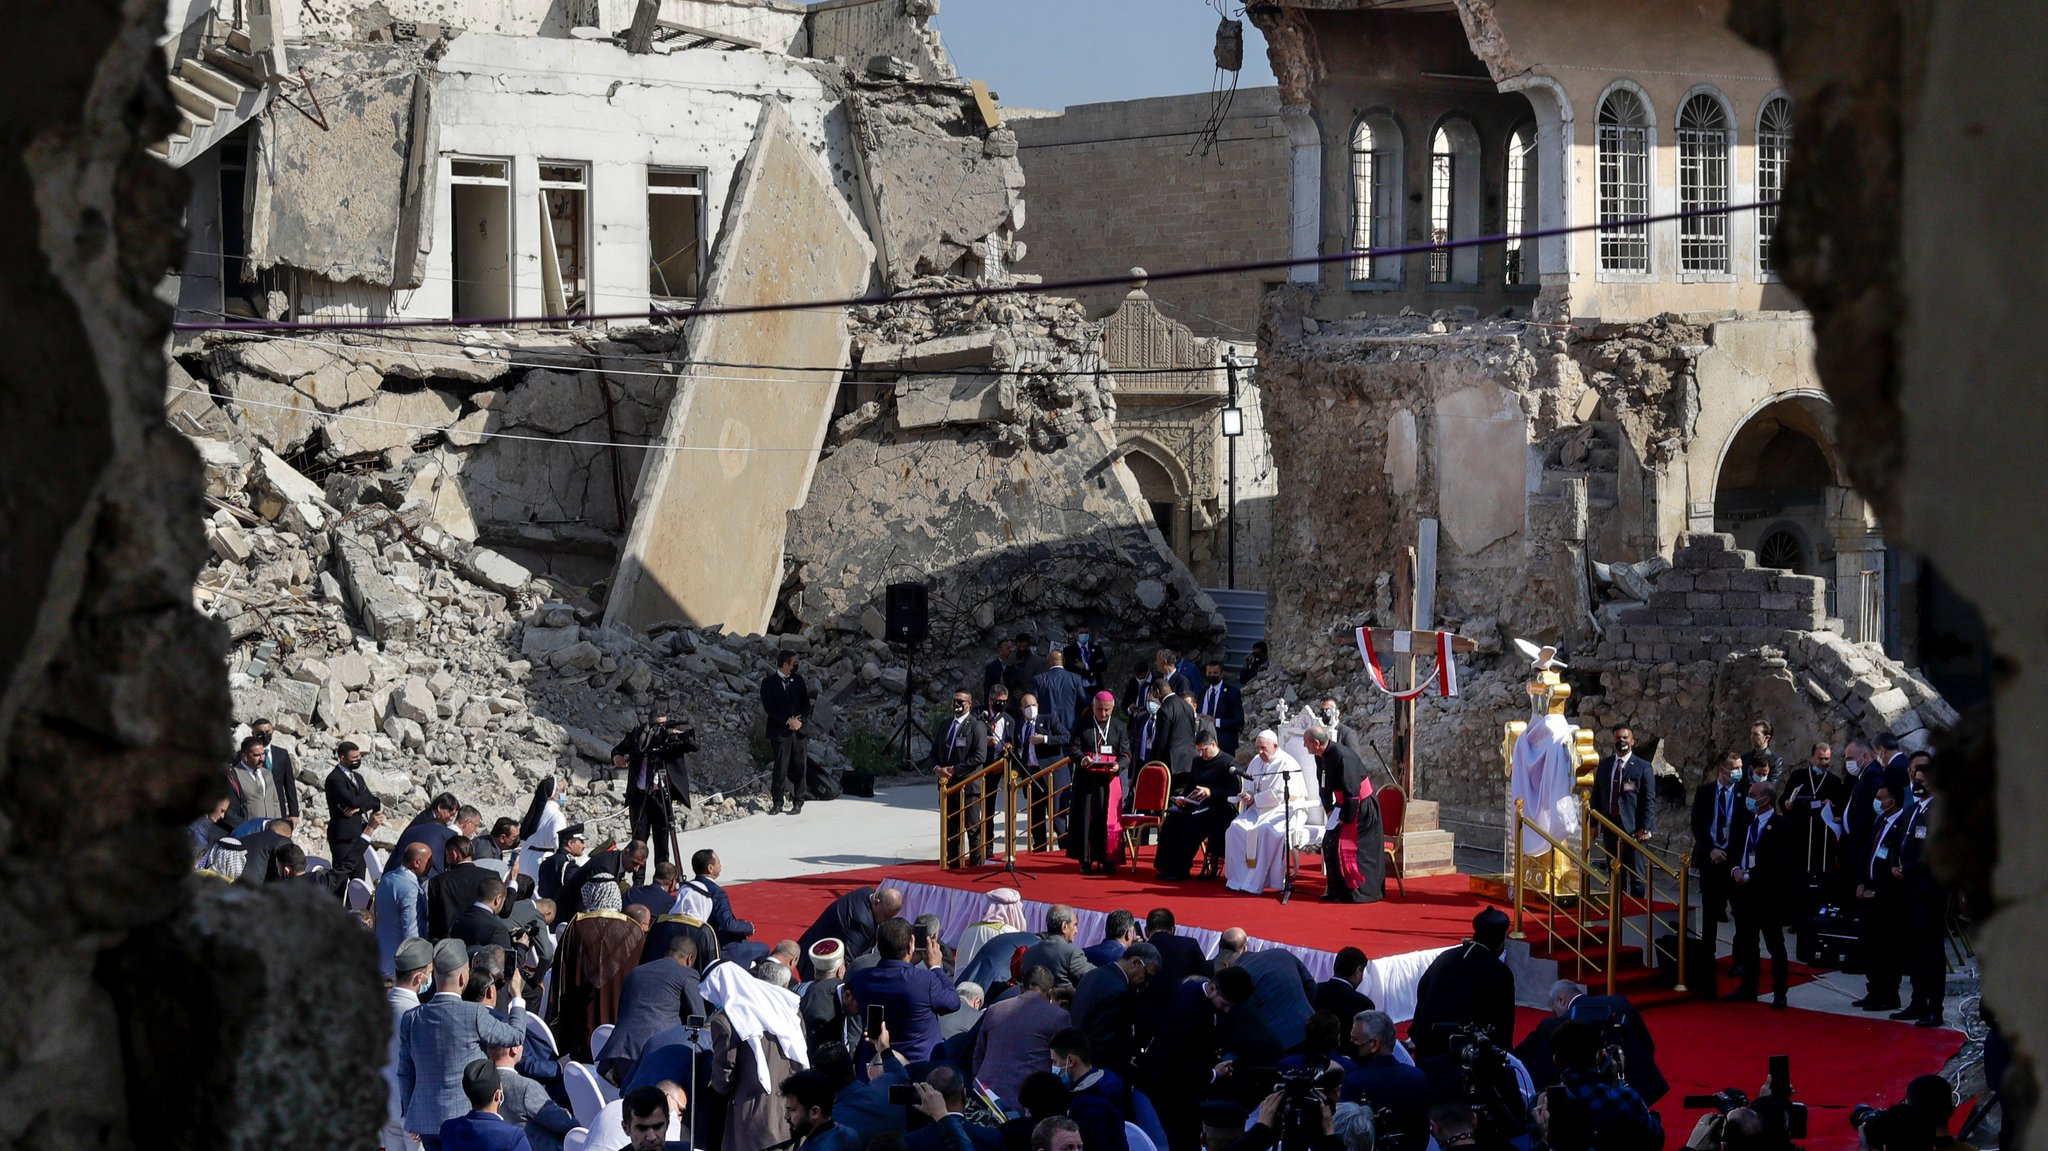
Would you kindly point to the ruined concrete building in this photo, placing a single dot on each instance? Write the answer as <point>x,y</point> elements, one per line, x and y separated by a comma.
<point>1568,415</point>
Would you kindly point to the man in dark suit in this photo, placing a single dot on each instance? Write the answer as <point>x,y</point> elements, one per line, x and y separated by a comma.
<point>1119,930</point>
<point>997,668</point>
<point>1719,820</point>
<point>262,846</point>
<point>1926,905</point>
<point>853,920</point>
<point>911,994</point>
<point>656,996</point>
<point>1062,697</point>
<point>1181,1057</point>
<point>1765,870</point>
<point>1341,997</point>
<point>1223,705</point>
<point>1467,986</point>
<point>1040,738</point>
<point>482,923</point>
<point>1624,790</point>
<point>1164,668</point>
<point>1172,731</point>
<point>483,1129</point>
<point>1088,659</point>
<point>455,888</point>
<point>960,748</point>
<point>349,804</point>
<point>1055,950</point>
<point>434,827</point>
<point>1880,902</point>
<point>1396,1091</point>
<point>1106,1006</point>
<point>1024,667</point>
<point>787,701</point>
<point>1761,762</point>
<point>1616,1018</point>
<point>279,762</point>
<point>705,869</point>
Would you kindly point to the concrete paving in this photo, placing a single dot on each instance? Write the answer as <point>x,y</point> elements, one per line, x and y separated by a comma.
<point>899,825</point>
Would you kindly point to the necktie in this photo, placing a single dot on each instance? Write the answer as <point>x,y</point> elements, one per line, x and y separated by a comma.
<point>1749,851</point>
<point>952,743</point>
<point>1209,701</point>
<point>1614,787</point>
<point>1024,737</point>
<point>1145,745</point>
<point>1721,818</point>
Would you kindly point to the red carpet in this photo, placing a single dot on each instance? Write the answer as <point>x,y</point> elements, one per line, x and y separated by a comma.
<point>1702,1046</point>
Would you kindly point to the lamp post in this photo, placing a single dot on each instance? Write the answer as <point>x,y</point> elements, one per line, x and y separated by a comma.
<point>1233,427</point>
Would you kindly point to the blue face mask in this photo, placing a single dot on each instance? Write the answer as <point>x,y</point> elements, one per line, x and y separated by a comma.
<point>1151,707</point>
<point>1750,803</point>
<point>1735,776</point>
<point>1062,1073</point>
<point>1877,805</point>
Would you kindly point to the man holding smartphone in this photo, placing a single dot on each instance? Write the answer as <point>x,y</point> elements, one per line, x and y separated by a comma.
<point>909,986</point>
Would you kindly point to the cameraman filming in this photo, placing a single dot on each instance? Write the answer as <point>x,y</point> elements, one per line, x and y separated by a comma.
<point>1621,1120</point>
<point>657,775</point>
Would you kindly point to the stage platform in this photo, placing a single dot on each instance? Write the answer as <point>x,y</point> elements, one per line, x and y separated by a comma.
<point>1702,1045</point>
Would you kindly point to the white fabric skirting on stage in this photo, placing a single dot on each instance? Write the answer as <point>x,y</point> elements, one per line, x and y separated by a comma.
<point>1389,979</point>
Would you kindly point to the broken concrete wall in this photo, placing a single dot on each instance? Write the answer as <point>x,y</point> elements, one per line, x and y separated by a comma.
<point>936,183</point>
<point>332,200</point>
<point>740,443</point>
<point>871,33</point>
<point>776,25</point>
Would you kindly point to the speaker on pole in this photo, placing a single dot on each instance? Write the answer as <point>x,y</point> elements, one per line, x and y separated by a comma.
<point>906,613</point>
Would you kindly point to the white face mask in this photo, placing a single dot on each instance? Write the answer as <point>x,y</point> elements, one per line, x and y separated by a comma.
<point>1030,711</point>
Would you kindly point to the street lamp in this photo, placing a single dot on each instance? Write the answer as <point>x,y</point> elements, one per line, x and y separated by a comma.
<point>1233,422</point>
<point>1233,427</point>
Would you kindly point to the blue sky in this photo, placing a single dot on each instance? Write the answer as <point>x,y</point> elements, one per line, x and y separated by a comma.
<point>1052,53</point>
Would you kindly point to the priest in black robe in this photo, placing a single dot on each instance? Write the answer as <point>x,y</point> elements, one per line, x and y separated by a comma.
<point>1354,857</point>
<point>1202,805</point>
<point>1101,752</point>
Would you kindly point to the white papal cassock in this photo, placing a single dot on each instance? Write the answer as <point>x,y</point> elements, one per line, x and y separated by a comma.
<point>1254,855</point>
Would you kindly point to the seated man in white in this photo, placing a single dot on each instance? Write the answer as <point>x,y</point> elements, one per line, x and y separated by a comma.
<point>1277,802</point>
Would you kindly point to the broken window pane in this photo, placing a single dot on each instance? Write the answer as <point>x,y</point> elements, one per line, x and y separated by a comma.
<point>675,229</point>
<point>480,223</point>
<point>565,238</point>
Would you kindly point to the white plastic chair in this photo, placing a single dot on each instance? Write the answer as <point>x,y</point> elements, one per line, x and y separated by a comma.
<point>359,894</point>
<point>315,863</point>
<point>539,1026</point>
<point>609,1132</point>
<point>599,1037</point>
<point>576,1140</point>
<point>586,1096</point>
<point>1133,1135</point>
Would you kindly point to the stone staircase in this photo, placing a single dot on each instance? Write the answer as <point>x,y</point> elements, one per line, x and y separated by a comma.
<point>217,91</point>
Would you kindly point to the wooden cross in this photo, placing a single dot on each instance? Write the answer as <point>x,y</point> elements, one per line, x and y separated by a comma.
<point>1391,640</point>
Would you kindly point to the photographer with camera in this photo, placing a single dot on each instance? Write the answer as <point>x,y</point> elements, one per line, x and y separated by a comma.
<point>657,777</point>
<point>1621,1120</point>
<point>1621,1029</point>
<point>1394,1090</point>
<point>1900,1127</point>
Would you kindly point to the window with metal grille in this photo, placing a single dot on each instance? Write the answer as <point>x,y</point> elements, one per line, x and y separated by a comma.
<point>1519,266</point>
<point>1773,148</point>
<point>1624,162</point>
<point>1375,158</point>
<point>1441,169</point>
<point>1703,185</point>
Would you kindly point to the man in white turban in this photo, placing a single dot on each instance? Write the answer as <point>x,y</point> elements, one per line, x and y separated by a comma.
<point>1273,805</point>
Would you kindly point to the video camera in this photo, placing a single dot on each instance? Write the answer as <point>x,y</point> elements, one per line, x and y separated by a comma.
<point>1490,1085</point>
<point>1304,1092</point>
<point>1775,1106</point>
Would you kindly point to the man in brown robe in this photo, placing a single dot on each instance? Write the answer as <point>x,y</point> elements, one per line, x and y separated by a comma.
<point>601,946</point>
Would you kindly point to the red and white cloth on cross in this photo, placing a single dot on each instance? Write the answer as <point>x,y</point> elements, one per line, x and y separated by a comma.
<point>1442,644</point>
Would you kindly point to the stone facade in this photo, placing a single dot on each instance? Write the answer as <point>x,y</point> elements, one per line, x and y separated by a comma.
<point>1114,185</point>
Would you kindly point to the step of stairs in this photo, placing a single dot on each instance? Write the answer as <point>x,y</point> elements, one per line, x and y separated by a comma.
<point>202,105</point>
<point>212,81</point>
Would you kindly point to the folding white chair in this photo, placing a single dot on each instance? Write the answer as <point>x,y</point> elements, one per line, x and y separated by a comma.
<point>586,1098</point>
<point>575,1140</point>
<point>599,1037</point>
<point>609,1132</point>
<point>359,894</point>
<point>539,1026</point>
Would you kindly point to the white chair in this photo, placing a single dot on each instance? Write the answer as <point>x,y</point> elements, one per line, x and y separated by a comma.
<point>539,1026</point>
<point>599,1037</point>
<point>609,1132</point>
<point>586,1096</point>
<point>359,894</point>
<point>315,863</point>
<point>1133,1135</point>
<point>576,1139</point>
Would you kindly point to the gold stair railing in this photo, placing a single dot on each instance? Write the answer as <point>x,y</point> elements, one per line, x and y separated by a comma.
<point>1018,799</point>
<point>1582,910</point>
<point>958,812</point>
<point>1677,872</point>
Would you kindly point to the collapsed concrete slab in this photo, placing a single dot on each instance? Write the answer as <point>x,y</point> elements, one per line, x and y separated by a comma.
<point>740,444</point>
<point>937,186</point>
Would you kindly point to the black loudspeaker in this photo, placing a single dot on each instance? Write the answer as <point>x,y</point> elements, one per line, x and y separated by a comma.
<point>906,612</point>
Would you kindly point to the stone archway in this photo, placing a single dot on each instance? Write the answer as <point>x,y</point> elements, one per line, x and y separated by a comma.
<point>1772,491</point>
<point>1160,491</point>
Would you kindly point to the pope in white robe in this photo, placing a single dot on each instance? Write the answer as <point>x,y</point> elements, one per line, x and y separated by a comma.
<point>1254,845</point>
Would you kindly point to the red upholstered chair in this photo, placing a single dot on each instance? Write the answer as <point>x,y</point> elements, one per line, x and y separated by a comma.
<point>1148,806</point>
<point>1393,807</point>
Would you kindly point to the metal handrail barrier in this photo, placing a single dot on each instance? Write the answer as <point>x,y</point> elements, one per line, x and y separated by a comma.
<point>1056,803</point>
<point>1583,900</point>
<point>953,805</point>
<point>1653,919</point>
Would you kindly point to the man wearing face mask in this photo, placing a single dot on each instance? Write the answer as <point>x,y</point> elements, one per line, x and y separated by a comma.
<point>960,748</point>
<point>1171,730</point>
<point>1880,901</point>
<point>1040,735</point>
<point>1926,900</point>
<point>1762,762</point>
<point>1343,736</point>
<point>1763,872</point>
<point>279,763</point>
<point>1624,789</point>
<point>1720,820</point>
<point>1223,705</point>
<point>1086,658</point>
<point>415,960</point>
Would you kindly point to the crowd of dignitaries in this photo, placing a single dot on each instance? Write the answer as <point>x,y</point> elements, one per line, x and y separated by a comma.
<point>1826,849</point>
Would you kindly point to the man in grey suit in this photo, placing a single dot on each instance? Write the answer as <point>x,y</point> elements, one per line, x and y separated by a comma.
<point>1055,950</point>
<point>444,1035</point>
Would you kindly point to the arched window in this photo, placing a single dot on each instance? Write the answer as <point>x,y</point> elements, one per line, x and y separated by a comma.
<point>1453,201</point>
<point>1703,184</point>
<point>1520,266</point>
<point>1375,197</point>
<point>1773,148</point>
<point>1624,159</point>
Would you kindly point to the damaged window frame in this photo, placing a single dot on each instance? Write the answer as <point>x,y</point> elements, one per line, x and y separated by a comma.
<point>460,286</point>
<point>566,286</point>
<point>1376,147</point>
<point>1454,203</point>
<point>660,191</point>
<point>1519,268</point>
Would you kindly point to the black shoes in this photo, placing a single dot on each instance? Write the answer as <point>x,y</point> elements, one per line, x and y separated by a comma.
<point>1881,1005</point>
<point>796,807</point>
<point>1778,1003</point>
<point>775,806</point>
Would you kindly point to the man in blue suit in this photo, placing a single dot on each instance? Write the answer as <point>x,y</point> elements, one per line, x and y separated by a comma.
<point>1223,705</point>
<point>705,869</point>
<point>1119,930</point>
<point>440,1038</point>
<point>1393,1089</point>
<point>912,996</point>
<point>402,903</point>
<point>483,1129</point>
<point>656,996</point>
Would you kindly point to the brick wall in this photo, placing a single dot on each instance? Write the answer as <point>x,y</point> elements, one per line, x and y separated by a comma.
<point>1113,186</point>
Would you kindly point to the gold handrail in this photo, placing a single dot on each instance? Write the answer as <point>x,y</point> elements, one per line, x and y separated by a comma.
<point>1679,873</point>
<point>1018,798</point>
<point>950,804</point>
<point>1584,900</point>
